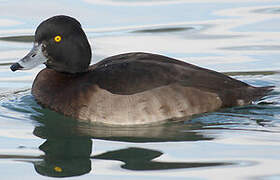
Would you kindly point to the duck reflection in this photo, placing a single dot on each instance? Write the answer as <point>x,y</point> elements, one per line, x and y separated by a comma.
<point>142,159</point>
<point>65,157</point>
<point>71,157</point>
<point>68,145</point>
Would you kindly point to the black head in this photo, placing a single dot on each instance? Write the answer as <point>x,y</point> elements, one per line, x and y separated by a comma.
<point>61,44</point>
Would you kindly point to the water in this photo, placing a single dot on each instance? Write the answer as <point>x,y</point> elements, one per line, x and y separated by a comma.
<point>240,38</point>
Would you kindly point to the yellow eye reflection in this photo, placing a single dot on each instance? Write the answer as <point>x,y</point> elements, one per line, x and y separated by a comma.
<point>57,169</point>
<point>57,38</point>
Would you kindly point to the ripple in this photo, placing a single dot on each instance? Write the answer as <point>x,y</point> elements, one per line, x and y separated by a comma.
<point>26,39</point>
<point>18,105</point>
<point>271,10</point>
<point>164,30</point>
<point>253,48</point>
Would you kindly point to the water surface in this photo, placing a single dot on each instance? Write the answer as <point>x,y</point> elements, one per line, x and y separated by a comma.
<point>239,38</point>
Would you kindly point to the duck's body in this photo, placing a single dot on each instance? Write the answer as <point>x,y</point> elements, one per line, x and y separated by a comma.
<point>127,89</point>
<point>140,88</point>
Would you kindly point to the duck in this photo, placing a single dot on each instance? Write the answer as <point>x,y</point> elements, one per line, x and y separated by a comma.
<point>133,88</point>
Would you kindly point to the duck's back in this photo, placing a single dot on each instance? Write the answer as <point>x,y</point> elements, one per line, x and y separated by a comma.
<point>137,72</point>
<point>140,88</point>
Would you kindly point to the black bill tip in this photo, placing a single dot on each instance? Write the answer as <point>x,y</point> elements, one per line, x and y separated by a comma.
<point>16,66</point>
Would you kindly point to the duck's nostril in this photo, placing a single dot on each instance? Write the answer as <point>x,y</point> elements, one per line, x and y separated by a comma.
<point>16,66</point>
<point>33,55</point>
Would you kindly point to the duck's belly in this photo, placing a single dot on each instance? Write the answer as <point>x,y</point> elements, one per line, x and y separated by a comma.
<point>152,106</point>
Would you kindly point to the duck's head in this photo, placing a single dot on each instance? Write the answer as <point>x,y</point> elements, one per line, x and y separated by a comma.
<point>61,44</point>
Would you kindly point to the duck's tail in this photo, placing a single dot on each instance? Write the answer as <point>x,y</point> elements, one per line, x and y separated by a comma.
<point>256,93</point>
<point>244,96</point>
<point>260,92</point>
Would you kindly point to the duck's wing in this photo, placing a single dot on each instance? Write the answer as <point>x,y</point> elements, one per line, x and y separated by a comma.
<point>137,72</point>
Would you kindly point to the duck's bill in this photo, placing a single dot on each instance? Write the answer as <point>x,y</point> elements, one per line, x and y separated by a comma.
<point>34,58</point>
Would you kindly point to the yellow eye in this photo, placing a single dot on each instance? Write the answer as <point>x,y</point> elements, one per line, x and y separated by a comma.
<point>57,38</point>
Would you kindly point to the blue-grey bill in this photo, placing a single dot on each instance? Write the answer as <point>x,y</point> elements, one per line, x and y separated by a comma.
<point>34,58</point>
